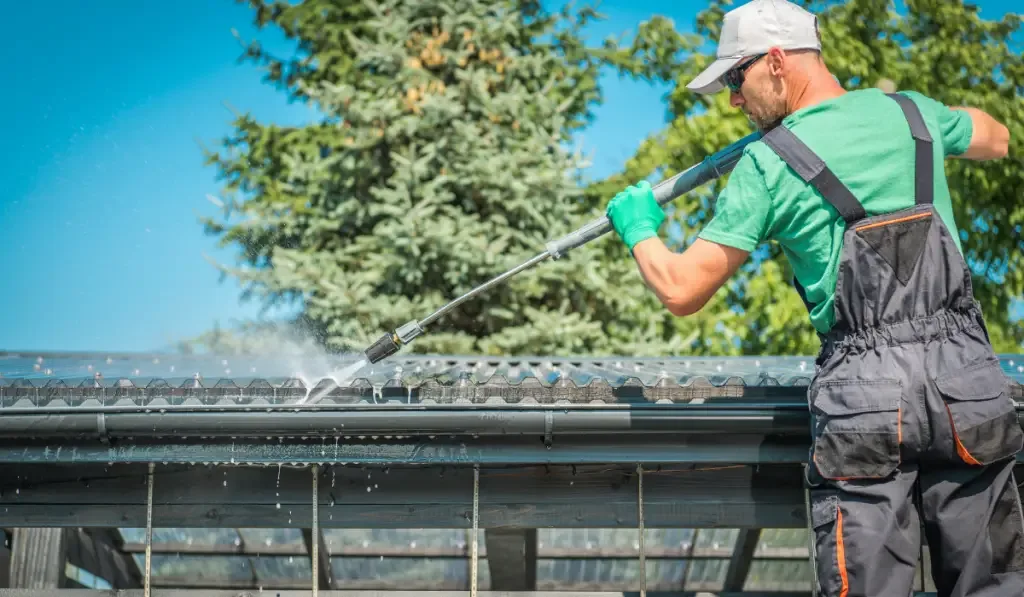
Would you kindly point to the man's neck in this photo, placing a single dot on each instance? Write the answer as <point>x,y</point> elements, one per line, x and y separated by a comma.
<point>813,89</point>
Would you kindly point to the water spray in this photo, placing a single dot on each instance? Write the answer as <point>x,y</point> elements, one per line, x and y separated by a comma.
<point>710,168</point>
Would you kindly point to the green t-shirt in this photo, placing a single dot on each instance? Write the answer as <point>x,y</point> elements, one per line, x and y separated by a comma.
<point>865,140</point>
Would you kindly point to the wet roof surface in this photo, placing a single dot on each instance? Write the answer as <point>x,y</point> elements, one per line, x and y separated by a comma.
<point>40,380</point>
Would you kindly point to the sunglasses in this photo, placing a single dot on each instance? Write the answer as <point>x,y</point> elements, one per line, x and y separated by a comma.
<point>735,77</point>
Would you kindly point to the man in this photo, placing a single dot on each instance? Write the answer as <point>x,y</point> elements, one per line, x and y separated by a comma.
<point>911,414</point>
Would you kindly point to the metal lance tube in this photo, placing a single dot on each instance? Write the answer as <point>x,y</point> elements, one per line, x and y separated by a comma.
<point>710,168</point>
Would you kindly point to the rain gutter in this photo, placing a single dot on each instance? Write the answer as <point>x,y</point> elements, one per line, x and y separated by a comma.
<point>780,418</point>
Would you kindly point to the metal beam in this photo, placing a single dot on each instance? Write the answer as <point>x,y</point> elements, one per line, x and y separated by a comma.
<point>512,558</point>
<point>5,562</point>
<point>363,593</point>
<point>773,554</point>
<point>742,558</point>
<point>651,449</point>
<point>95,550</point>
<point>404,497</point>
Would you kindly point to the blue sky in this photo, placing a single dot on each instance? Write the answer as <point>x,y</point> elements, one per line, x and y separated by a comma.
<point>104,180</point>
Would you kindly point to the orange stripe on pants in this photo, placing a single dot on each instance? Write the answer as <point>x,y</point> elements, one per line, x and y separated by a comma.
<point>844,587</point>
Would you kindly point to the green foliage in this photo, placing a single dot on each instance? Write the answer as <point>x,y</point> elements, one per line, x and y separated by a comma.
<point>441,160</point>
<point>439,163</point>
<point>941,48</point>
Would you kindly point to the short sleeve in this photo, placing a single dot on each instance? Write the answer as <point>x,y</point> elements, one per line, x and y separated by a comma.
<point>955,126</point>
<point>743,211</point>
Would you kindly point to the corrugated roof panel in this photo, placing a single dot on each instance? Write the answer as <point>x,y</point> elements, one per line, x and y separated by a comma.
<point>47,382</point>
<point>201,570</point>
<point>255,539</point>
<point>191,537</point>
<point>779,576</point>
<point>407,573</point>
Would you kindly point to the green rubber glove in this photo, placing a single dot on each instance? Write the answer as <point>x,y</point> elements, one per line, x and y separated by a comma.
<point>635,214</point>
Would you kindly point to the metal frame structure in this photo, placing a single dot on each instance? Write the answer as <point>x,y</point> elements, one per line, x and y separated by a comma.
<point>472,451</point>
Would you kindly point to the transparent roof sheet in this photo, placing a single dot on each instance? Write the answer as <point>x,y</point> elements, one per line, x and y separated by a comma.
<point>437,559</point>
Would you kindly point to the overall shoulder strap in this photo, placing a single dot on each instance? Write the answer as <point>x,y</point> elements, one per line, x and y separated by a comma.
<point>813,170</point>
<point>924,165</point>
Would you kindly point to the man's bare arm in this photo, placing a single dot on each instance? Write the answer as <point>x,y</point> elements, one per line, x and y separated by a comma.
<point>684,282</point>
<point>990,139</point>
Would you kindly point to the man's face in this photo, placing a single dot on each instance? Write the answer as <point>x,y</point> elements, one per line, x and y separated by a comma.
<point>761,95</point>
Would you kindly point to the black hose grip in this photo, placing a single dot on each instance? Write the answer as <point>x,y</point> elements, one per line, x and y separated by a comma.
<point>381,349</point>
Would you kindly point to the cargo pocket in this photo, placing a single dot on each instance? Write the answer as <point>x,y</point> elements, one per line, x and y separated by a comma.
<point>1006,531</point>
<point>982,414</point>
<point>829,545</point>
<point>856,430</point>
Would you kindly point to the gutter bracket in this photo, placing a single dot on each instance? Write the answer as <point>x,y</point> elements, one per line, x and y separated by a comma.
<point>101,429</point>
<point>549,423</point>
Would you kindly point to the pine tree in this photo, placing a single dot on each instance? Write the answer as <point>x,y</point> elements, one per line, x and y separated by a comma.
<point>442,159</point>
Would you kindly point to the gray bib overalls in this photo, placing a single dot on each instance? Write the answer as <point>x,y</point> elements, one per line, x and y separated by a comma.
<point>912,418</point>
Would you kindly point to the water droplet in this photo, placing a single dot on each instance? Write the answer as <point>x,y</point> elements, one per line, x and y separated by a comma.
<point>278,505</point>
<point>368,489</point>
<point>225,484</point>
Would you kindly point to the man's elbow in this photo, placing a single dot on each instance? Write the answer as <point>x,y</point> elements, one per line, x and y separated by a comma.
<point>681,310</point>
<point>682,304</point>
<point>991,138</point>
<point>1001,141</point>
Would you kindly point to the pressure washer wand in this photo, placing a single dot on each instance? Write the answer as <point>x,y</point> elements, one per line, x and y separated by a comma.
<point>710,168</point>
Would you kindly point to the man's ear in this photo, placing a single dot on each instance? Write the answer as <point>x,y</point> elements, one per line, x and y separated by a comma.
<point>777,61</point>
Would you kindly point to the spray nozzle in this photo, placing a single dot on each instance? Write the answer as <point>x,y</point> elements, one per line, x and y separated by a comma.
<point>390,343</point>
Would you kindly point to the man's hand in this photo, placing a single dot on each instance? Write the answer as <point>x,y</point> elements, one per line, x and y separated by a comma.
<point>635,214</point>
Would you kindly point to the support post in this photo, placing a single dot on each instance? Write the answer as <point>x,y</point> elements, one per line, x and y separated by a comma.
<point>474,562</point>
<point>316,547</point>
<point>640,519</point>
<point>149,529</point>
<point>315,535</point>
<point>812,542</point>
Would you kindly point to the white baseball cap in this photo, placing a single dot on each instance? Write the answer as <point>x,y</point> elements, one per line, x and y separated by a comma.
<point>753,29</point>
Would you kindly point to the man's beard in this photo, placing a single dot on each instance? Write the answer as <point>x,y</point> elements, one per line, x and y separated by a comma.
<point>766,119</point>
<point>764,124</point>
